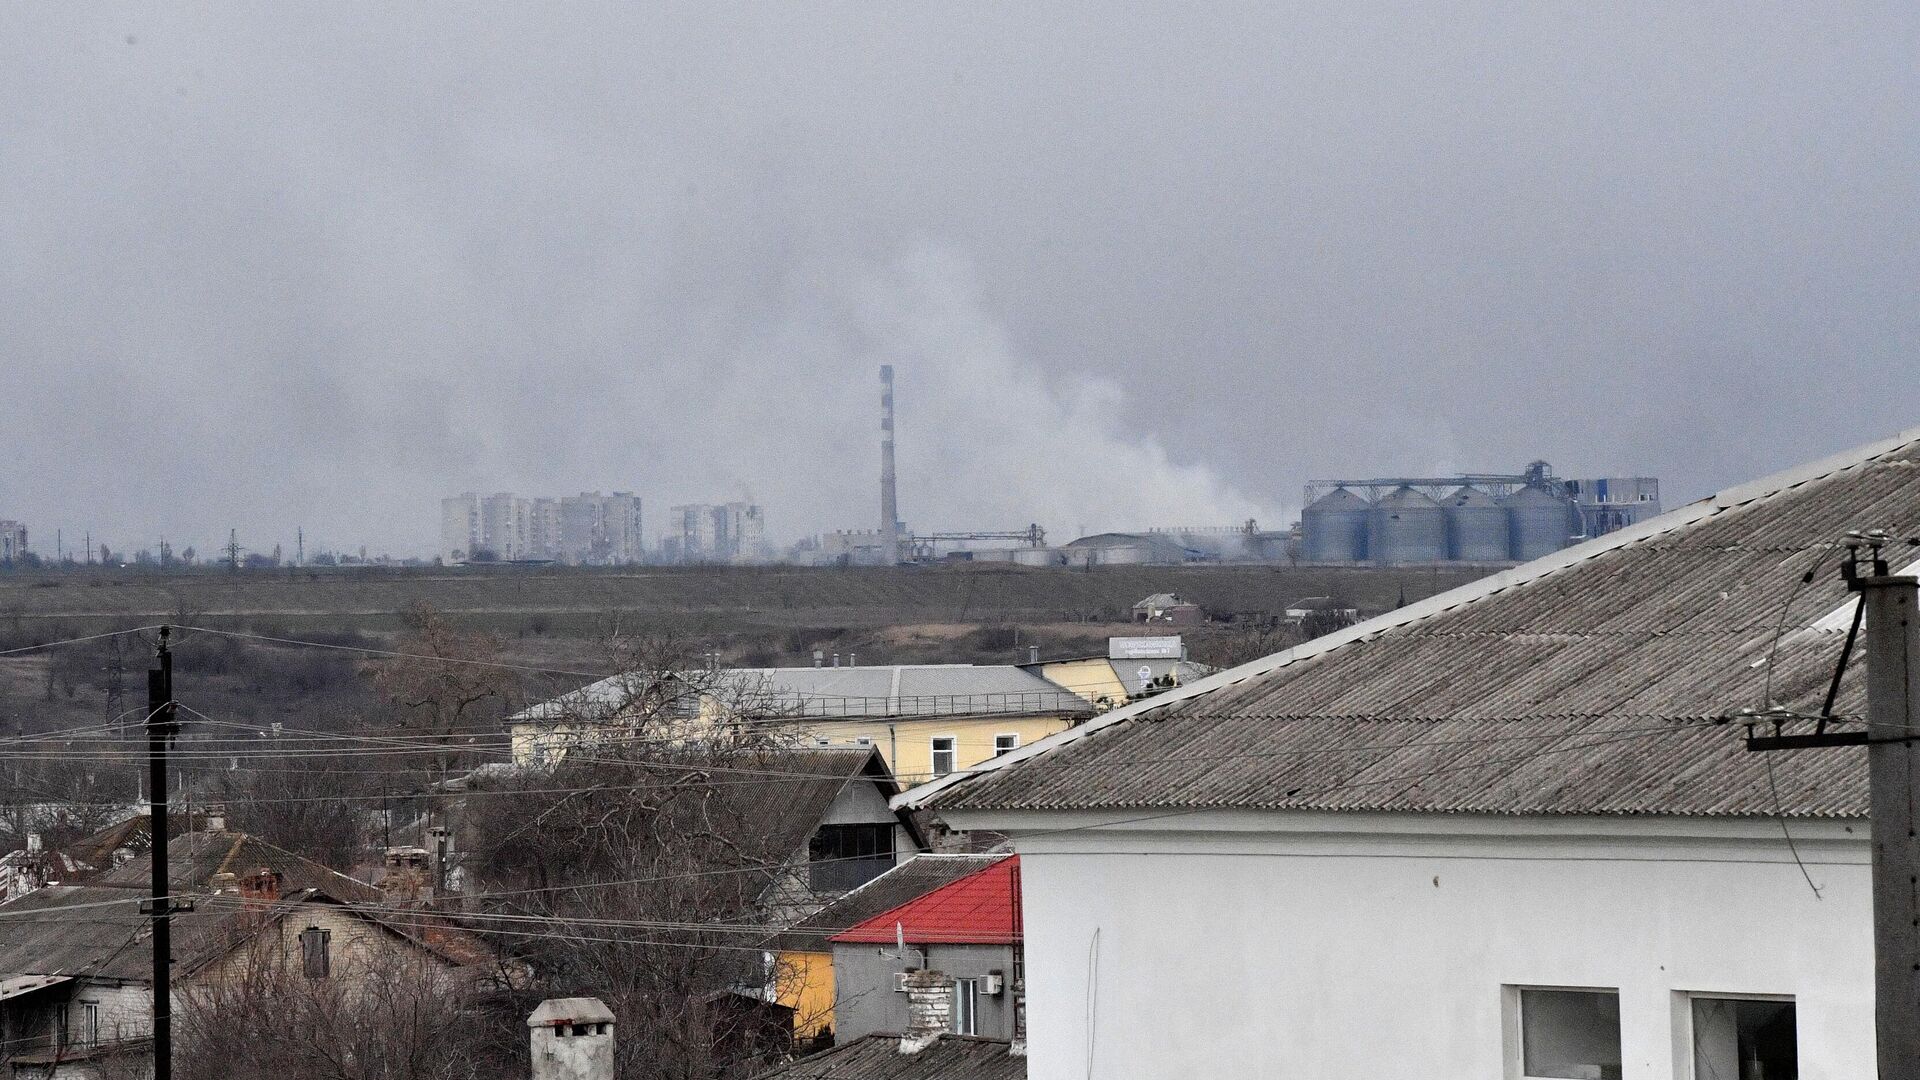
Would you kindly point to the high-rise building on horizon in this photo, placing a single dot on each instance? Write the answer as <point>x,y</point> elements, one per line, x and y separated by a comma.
<point>585,529</point>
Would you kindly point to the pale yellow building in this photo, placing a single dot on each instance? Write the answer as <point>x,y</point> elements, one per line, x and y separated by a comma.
<point>927,720</point>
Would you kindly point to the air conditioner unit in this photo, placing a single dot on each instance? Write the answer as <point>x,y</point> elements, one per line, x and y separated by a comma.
<point>900,981</point>
<point>993,984</point>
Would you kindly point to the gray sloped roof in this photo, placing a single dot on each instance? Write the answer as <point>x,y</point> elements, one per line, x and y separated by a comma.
<point>865,691</point>
<point>99,932</point>
<point>878,1057</point>
<point>194,859</point>
<point>910,880</point>
<point>1588,682</point>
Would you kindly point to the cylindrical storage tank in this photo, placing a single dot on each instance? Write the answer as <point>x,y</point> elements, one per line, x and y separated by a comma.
<point>1407,527</point>
<point>1035,557</point>
<point>1476,526</point>
<point>1333,528</point>
<point>1540,522</point>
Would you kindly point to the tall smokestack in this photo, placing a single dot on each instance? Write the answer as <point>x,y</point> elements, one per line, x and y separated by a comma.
<point>889,500</point>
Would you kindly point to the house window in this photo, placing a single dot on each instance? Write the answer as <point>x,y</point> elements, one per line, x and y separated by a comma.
<point>943,755</point>
<point>1741,1037</point>
<point>1004,744</point>
<point>1570,1033</point>
<point>843,857</point>
<point>316,952</point>
<point>966,1006</point>
<point>90,1023</point>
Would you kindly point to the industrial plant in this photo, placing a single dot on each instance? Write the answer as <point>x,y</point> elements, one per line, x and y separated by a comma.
<point>1470,518</point>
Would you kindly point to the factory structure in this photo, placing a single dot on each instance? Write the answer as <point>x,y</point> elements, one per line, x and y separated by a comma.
<point>893,543</point>
<point>1471,518</point>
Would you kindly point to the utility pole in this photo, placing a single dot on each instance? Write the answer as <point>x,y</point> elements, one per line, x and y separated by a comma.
<point>1893,767</point>
<point>161,727</point>
<point>1889,612</point>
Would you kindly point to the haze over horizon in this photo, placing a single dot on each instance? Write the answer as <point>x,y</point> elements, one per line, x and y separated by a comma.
<point>274,269</point>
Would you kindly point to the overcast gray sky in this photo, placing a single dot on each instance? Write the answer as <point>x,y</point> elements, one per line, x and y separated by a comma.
<point>1136,263</point>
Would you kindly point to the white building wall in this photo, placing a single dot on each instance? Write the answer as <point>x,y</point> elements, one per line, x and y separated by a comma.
<point>459,527</point>
<point>1377,946</point>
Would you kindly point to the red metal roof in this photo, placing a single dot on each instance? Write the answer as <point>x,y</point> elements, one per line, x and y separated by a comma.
<point>980,909</point>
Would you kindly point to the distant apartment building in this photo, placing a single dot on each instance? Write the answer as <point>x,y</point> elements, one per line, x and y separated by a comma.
<point>728,532</point>
<point>13,541</point>
<point>589,528</point>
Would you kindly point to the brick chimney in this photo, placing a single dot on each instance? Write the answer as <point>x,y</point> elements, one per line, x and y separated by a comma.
<point>408,875</point>
<point>259,891</point>
<point>261,887</point>
<point>929,1010</point>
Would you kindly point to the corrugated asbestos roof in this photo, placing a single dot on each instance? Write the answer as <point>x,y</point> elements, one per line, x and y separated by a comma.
<point>878,1057</point>
<point>916,877</point>
<point>97,929</point>
<point>1586,683</point>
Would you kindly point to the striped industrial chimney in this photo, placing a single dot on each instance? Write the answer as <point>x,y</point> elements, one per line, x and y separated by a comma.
<point>889,500</point>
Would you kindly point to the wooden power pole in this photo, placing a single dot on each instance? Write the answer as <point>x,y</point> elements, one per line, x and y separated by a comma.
<point>1892,627</point>
<point>160,731</point>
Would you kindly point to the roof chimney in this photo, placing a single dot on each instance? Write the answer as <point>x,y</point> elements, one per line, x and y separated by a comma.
<point>259,890</point>
<point>929,1009</point>
<point>33,843</point>
<point>836,659</point>
<point>405,880</point>
<point>1033,654</point>
<point>572,1039</point>
<point>819,658</point>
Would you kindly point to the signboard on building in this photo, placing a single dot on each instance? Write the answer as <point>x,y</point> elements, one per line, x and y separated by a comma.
<point>1145,648</point>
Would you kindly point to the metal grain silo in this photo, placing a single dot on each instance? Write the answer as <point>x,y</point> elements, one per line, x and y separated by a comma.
<point>1407,527</point>
<point>1477,529</point>
<point>1333,528</point>
<point>1541,522</point>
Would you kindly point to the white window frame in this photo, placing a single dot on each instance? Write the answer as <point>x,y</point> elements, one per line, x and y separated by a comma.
<point>89,1023</point>
<point>966,1006</point>
<point>952,751</point>
<point>1683,1048</point>
<point>1009,748</point>
<point>1512,1034</point>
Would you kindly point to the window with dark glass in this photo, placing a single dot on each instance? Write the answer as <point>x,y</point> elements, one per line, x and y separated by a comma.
<point>1570,1033</point>
<point>943,754</point>
<point>1740,1037</point>
<point>844,857</point>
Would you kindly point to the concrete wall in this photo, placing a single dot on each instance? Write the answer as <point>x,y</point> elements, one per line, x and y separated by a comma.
<point>865,1001</point>
<point>1368,945</point>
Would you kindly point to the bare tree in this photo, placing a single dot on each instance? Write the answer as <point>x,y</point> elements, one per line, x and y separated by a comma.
<point>653,854</point>
<point>446,686</point>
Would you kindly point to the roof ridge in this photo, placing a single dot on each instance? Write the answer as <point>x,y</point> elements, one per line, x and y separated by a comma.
<point>1733,498</point>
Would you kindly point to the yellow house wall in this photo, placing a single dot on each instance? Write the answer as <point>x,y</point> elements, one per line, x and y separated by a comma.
<point>1091,679</point>
<point>907,743</point>
<point>804,981</point>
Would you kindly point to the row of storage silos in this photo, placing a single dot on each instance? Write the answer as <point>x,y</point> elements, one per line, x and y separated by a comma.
<point>1405,526</point>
